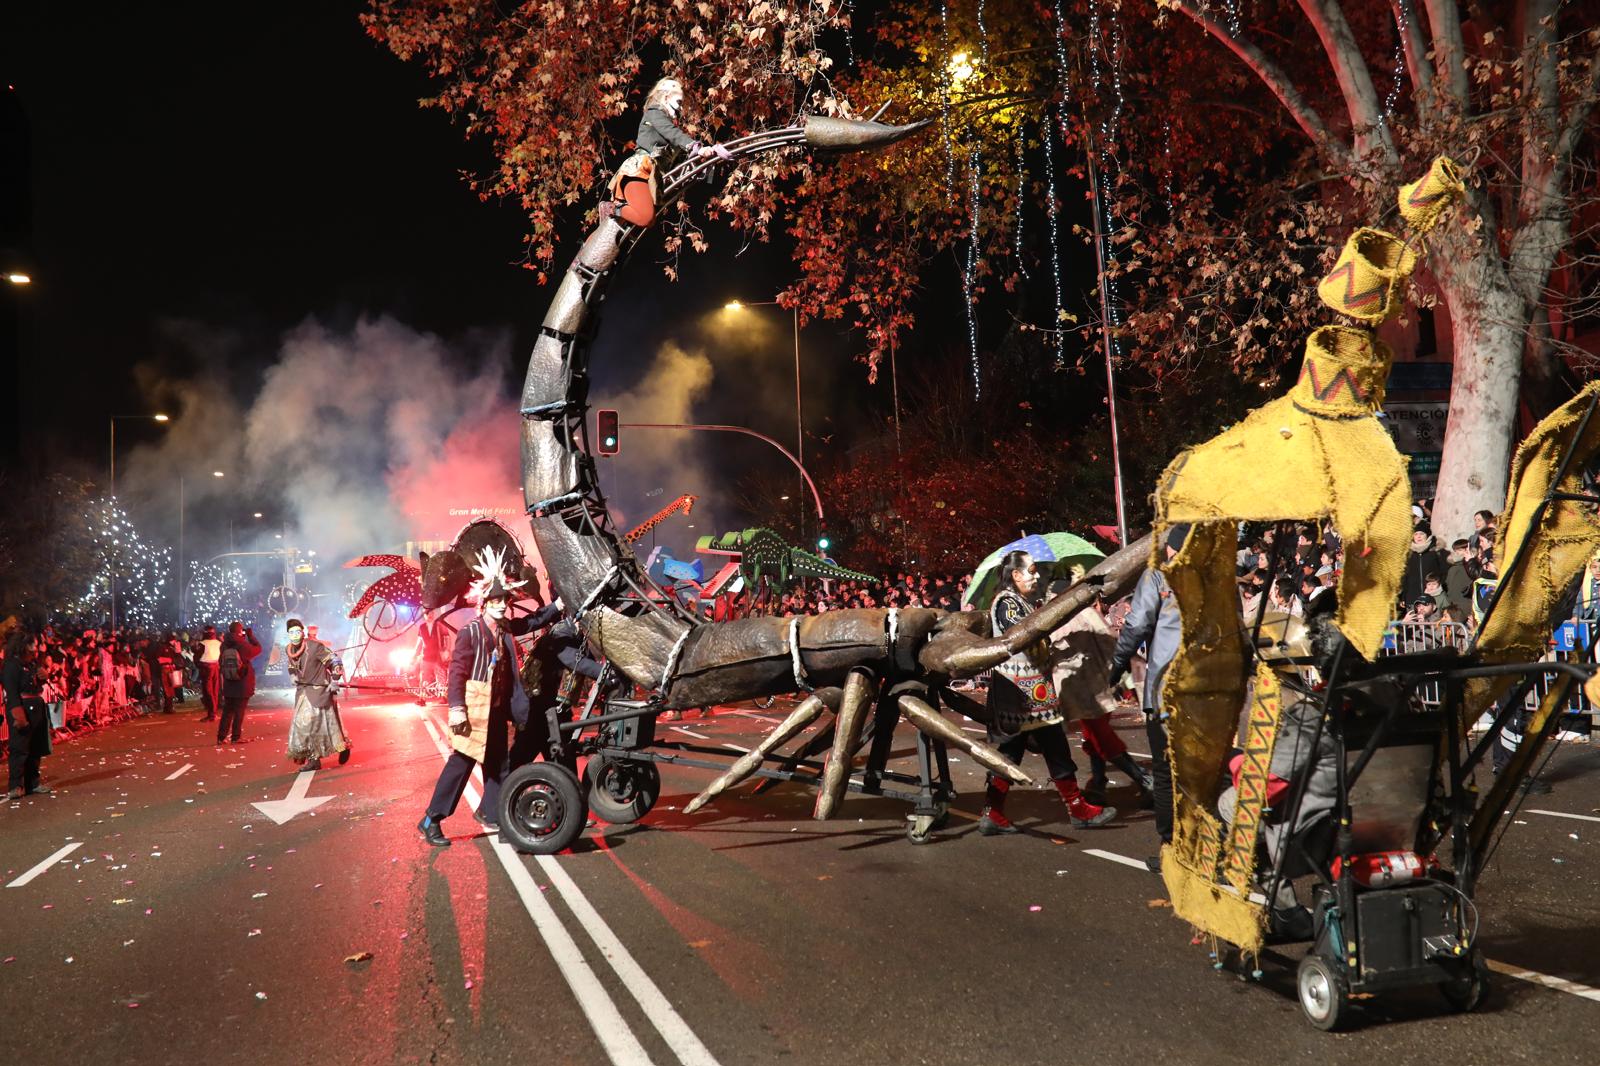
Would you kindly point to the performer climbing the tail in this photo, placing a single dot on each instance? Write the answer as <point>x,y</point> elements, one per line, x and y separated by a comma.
<point>660,146</point>
<point>486,694</point>
<point>316,730</point>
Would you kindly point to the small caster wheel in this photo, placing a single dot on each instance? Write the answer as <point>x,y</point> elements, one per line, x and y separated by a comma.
<point>621,791</point>
<point>1324,995</point>
<point>541,808</point>
<point>918,826</point>
<point>1466,991</point>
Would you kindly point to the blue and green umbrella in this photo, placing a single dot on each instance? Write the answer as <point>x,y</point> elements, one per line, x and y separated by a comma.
<point>1055,553</point>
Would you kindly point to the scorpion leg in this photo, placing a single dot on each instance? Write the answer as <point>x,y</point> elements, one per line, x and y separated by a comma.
<point>746,765</point>
<point>935,725</point>
<point>858,690</point>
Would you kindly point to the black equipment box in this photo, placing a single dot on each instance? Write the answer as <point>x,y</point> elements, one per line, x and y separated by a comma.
<point>1405,929</point>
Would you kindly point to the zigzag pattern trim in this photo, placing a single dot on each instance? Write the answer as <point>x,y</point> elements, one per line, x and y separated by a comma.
<point>1239,856</point>
<point>1324,394</point>
<point>1352,298</point>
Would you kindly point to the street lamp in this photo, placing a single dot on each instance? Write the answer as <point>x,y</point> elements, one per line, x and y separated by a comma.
<point>19,279</point>
<point>113,422</point>
<point>734,306</point>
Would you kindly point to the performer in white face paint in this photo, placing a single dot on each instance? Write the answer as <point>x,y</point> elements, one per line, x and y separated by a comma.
<point>316,671</point>
<point>485,696</point>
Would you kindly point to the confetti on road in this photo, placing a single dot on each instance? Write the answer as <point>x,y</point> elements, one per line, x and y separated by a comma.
<point>261,995</point>
<point>251,933</point>
<point>360,956</point>
<point>1034,907</point>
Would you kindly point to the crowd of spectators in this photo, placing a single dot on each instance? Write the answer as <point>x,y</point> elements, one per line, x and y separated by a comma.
<point>89,677</point>
<point>904,589</point>
<point>1439,584</point>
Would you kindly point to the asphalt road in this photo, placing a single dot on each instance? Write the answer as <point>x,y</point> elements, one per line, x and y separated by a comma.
<point>184,925</point>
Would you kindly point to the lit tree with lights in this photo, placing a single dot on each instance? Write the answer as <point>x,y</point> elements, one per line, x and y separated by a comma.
<point>117,551</point>
<point>216,592</point>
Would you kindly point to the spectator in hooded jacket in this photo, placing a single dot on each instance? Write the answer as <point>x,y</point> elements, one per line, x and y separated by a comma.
<point>238,660</point>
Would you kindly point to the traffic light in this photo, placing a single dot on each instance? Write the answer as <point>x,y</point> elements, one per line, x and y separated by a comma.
<point>824,543</point>
<point>606,425</point>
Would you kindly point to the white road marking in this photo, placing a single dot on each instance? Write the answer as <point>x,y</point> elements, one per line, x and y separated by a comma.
<point>43,866</point>
<point>614,1034</point>
<point>673,1029</point>
<point>758,717</point>
<point>689,732</point>
<point>297,802</point>
<point>1564,814</point>
<point>1111,856</point>
<point>180,771</point>
<point>1560,984</point>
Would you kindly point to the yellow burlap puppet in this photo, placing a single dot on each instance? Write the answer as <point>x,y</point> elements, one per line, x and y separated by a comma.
<point>1317,454</point>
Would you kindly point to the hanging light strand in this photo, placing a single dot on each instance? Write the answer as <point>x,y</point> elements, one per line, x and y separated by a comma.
<point>948,132</point>
<point>1058,327</point>
<point>1022,194</point>
<point>969,276</point>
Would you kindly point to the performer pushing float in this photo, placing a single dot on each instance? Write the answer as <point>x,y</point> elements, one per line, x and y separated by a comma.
<point>486,694</point>
<point>316,672</point>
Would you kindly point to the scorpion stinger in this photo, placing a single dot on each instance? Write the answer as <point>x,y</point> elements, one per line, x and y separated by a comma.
<point>848,661</point>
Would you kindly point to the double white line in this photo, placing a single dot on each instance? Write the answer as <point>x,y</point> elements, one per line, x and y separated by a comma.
<point>622,1047</point>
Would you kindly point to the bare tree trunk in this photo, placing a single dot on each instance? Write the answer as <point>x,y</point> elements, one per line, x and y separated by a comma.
<point>1488,324</point>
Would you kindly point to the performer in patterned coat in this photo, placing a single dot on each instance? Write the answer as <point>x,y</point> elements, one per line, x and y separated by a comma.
<point>1024,710</point>
<point>316,730</point>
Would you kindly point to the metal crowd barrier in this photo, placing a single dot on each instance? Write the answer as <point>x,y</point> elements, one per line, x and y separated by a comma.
<point>1570,643</point>
<point>1404,637</point>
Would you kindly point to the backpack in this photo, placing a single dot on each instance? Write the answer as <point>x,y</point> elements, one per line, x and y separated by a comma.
<point>232,664</point>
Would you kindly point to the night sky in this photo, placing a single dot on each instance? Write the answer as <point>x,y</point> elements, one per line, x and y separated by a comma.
<point>189,164</point>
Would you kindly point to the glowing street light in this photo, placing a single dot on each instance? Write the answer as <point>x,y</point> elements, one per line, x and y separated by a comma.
<point>19,279</point>
<point>733,305</point>
<point>218,473</point>
<point>257,514</point>
<point>960,68</point>
<point>161,418</point>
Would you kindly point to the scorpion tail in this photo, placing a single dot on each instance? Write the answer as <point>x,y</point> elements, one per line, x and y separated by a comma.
<point>802,716</point>
<point>858,689</point>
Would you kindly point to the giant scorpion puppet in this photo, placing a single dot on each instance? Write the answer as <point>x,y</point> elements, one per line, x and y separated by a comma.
<point>1317,454</point>
<point>849,663</point>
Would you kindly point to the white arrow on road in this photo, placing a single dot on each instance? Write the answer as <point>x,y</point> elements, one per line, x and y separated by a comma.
<point>297,802</point>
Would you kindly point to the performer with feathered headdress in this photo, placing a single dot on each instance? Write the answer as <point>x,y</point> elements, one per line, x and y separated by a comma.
<point>485,695</point>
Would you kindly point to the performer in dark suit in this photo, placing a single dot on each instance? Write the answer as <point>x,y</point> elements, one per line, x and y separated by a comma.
<point>486,695</point>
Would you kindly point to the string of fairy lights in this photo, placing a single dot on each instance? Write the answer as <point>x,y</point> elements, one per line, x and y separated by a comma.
<point>969,275</point>
<point>1402,16</point>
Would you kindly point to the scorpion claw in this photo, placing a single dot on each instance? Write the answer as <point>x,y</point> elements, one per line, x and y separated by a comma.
<point>858,689</point>
<point>935,725</point>
<point>746,765</point>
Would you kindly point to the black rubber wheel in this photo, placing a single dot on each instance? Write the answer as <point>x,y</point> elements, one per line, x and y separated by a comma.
<point>621,791</point>
<point>1467,990</point>
<point>1324,996</point>
<point>541,808</point>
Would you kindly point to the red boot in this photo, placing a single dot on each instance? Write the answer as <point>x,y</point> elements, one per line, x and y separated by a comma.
<point>994,821</point>
<point>1084,814</point>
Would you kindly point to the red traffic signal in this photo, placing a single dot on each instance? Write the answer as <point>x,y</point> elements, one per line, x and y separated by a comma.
<point>606,424</point>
